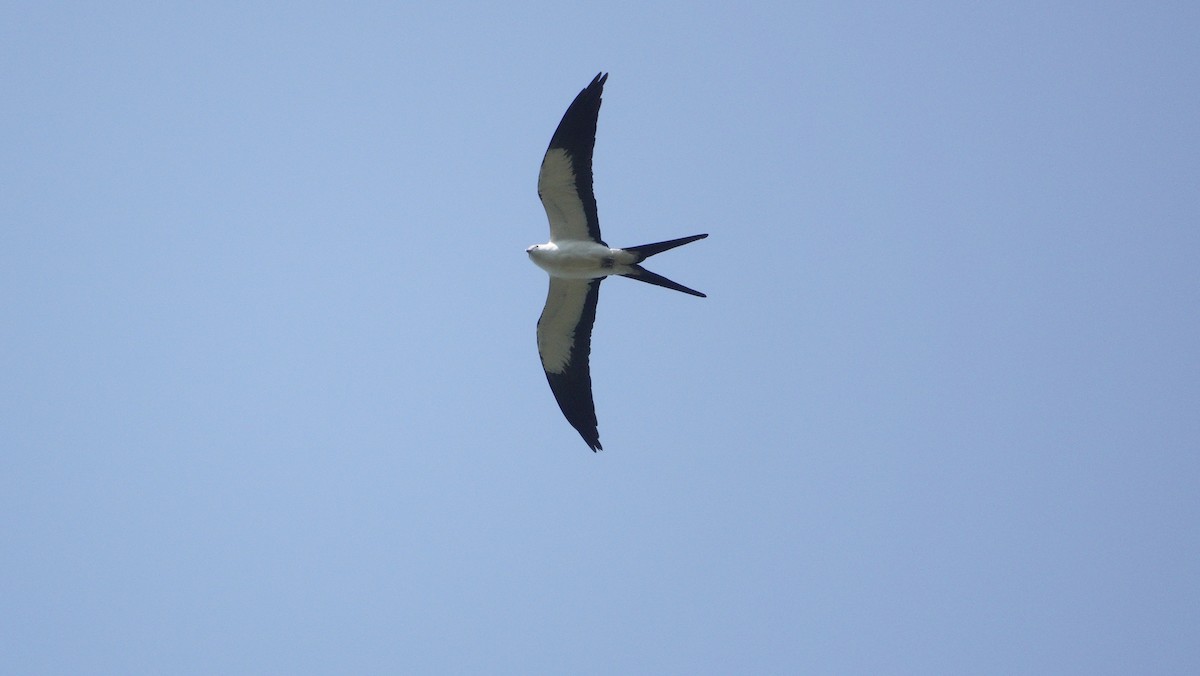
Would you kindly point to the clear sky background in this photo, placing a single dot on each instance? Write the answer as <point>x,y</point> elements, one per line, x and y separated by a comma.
<point>271,400</point>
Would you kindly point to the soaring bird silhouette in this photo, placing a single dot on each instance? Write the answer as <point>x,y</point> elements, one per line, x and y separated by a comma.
<point>577,260</point>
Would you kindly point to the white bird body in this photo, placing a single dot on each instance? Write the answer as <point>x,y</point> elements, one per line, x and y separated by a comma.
<point>575,259</point>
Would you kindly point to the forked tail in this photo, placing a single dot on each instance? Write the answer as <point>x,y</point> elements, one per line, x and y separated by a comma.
<point>647,250</point>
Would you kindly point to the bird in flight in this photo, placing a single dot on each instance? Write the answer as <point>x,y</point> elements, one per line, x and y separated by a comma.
<point>577,260</point>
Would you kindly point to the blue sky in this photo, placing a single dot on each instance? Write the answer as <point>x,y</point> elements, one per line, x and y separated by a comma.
<point>272,401</point>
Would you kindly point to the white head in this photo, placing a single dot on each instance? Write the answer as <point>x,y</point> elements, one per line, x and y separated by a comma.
<point>541,250</point>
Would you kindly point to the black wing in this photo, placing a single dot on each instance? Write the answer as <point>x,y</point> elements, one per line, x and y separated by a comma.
<point>565,179</point>
<point>564,334</point>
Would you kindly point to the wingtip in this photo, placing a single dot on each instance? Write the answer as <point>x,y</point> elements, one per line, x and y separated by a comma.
<point>590,435</point>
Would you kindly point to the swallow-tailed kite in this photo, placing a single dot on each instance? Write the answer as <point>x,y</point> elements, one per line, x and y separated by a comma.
<point>577,260</point>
